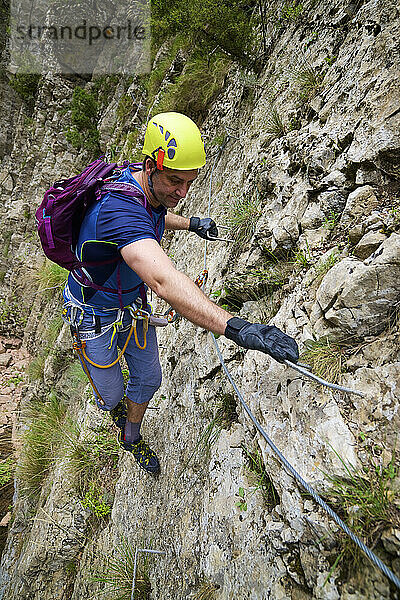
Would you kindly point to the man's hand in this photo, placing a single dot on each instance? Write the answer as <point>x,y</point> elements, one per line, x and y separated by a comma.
<point>205,228</point>
<point>267,338</point>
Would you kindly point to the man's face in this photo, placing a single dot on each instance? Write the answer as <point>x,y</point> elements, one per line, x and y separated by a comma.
<point>171,185</point>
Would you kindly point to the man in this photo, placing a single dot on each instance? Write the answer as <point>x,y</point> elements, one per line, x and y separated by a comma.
<point>120,225</point>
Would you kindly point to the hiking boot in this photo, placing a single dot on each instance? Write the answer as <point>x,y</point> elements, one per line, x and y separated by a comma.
<point>142,453</point>
<point>119,415</point>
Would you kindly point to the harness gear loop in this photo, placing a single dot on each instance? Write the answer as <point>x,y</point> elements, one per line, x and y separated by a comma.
<point>140,314</point>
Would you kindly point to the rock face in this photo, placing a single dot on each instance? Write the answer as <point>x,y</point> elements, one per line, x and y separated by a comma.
<point>322,259</point>
<point>358,297</point>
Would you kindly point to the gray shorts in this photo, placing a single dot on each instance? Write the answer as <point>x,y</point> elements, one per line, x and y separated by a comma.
<point>144,365</point>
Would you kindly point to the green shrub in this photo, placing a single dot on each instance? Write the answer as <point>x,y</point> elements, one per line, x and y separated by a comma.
<point>323,267</point>
<point>92,461</point>
<point>36,366</point>
<point>83,133</point>
<point>196,87</point>
<point>94,501</point>
<point>289,13</point>
<point>260,479</point>
<point>309,79</point>
<point>274,126</point>
<point>26,85</point>
<point>325,358</point>
<point>51,276</point>
<point>207,24</point>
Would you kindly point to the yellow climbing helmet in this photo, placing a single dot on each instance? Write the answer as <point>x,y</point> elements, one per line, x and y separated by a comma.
<point>173,140</point>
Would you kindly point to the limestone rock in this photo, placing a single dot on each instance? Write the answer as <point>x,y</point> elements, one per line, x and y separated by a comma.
<point>368,244</point>
<point>359,203</point>
<point>358,297</point>
<point>5,360</point>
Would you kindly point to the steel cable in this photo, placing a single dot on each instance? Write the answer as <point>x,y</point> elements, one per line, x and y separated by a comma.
<point>367,551</point>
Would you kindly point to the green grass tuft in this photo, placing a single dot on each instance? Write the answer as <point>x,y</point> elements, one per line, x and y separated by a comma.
<point>41,443</point>
<point>242,216</point>
<point>366,502</point>
<point>325,358</point>
<point>117,574</point>
<point>51,276</point>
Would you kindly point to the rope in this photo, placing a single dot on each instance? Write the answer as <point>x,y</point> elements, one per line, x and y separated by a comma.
<point>132,329</point>
<point>367,551</point>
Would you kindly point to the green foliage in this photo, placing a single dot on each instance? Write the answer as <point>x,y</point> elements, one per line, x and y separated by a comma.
<point>40,443</point>
<point>242,216</point>
<point>289,13</point>
<point>366,502</point>
<point>196,87</point>
<point>83,134</point>
<point>125,107</point>
<point>152,82</point>
<point>302,257</point>
<point>6,242</point>
<point>331,221</point>
<point>7,469</point>
<point>130,144</point>
<point>94,501</point>
<point>25,85</point>
<point>207,24</point>
<point>15,379</point>
<point>51,276</point>
<point>74,378</point>
<point>242,504</point>
<point>117,574</point>
<point>50,334</point>
<point>36,366</point>
<point>325,358</point>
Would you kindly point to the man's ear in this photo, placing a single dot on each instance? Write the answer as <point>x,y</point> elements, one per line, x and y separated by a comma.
<point>150,167</point>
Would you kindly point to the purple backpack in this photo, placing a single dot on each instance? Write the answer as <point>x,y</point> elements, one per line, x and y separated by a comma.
<point>60,215</point>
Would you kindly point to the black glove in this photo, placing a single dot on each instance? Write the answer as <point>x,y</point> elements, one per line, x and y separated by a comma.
<point>205,228</point>
<point>267,338</point>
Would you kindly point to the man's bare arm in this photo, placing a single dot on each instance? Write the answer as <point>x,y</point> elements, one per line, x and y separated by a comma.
<point>175,222</point>
<point>152,265</point>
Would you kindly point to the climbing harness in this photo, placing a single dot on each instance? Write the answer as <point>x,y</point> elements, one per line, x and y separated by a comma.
<point>301,368</point>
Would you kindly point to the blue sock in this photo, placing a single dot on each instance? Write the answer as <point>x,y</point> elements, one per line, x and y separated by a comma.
<point>132,432</point>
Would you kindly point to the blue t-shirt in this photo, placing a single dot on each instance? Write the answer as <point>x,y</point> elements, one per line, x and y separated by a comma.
<point>113,222</point>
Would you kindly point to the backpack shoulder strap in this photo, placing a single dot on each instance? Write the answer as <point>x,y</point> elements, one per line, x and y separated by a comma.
<point>128,189</point>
